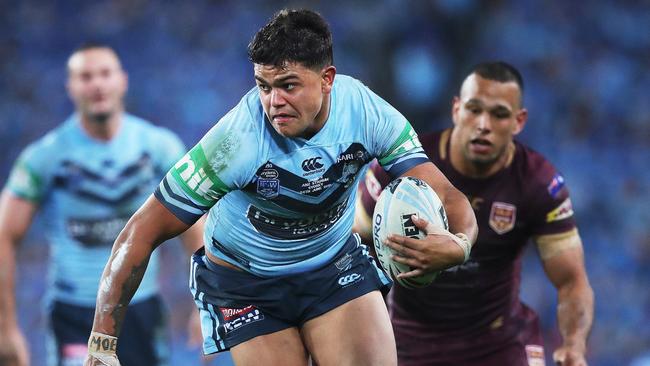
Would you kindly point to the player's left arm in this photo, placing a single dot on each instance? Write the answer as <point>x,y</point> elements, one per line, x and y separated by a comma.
<point>563,260</point>
<point>440,249</point>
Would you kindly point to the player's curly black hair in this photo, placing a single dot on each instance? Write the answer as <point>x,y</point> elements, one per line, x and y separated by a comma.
<point>301,36</point>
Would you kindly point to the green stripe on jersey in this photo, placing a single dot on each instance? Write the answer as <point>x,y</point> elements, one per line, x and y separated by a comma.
<point>197,178</point>
<point>407,140</point>
<point>24,183</point>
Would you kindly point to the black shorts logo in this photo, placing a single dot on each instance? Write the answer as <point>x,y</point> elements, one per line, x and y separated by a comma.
<point>236,318</point>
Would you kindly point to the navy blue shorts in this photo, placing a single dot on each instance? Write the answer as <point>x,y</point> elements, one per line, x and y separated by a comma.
<point>142,340</point>
<point>236,306</point>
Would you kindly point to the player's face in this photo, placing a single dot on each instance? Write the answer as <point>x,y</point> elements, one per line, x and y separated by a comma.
<point>295,98</point>
<point>96,83</point>
<point>487,115</point>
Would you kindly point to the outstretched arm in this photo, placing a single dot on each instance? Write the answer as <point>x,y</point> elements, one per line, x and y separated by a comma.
<point>151,225</point>
<point>563,260</point>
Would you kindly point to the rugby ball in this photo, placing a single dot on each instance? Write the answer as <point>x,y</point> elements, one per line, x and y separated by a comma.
<point>402,198</point>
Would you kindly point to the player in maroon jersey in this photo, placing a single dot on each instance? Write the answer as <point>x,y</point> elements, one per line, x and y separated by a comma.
<point>472,314</point>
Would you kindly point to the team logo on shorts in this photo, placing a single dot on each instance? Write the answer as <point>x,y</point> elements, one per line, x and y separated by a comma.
<point>535,355</point>
<point>502,217</point>
<point>236,318</point>
<point>344,263</point>
<point>347,280</point>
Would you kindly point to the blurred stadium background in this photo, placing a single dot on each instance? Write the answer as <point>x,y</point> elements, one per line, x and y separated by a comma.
<point>585,63</point>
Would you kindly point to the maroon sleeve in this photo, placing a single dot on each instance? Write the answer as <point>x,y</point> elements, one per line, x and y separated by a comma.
<point>551,210</point>
<point>375,180</point>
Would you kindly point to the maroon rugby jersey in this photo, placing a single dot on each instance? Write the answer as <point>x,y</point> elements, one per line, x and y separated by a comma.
<point>474,308</point>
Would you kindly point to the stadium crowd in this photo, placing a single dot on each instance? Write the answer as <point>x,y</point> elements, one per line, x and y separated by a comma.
<point>585,65</point>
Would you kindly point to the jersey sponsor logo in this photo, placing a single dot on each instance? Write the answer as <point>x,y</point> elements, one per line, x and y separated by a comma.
<point>199,180</point>
<point>561,212</point>
<point>347,280</point>
<point>347,156</point>
<point>195,178</point>
<point>312,165</point>
<point>237,318</point>
<point>95,232</point>
<point>269,174</point>
<point>502,217</point>
<point>535,355</point>
<point>268,188</point>
<point>294,228</point>
<point>556,185</point>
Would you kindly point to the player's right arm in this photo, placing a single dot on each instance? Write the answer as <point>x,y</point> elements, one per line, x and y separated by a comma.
<point>191,187</point>
<point>15,218</point>
<point>151,225</point>
<point>27,185</point>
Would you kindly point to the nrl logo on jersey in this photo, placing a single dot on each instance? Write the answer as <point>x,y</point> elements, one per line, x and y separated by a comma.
<point>502,217</point>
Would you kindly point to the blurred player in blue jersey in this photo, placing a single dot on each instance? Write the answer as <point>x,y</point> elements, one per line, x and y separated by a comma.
<point>88,176</point>
<point>282,277</point>
<point>472,314</point>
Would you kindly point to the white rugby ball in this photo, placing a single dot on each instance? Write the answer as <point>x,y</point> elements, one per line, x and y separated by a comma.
<point>403,197</point>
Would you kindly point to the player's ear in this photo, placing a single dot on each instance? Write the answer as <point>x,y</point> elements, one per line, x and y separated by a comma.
<point>455,109</point>
<point>327,79</point>
<point>520,121</point>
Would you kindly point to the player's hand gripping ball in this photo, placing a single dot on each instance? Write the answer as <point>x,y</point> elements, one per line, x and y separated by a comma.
<point>402,198</point>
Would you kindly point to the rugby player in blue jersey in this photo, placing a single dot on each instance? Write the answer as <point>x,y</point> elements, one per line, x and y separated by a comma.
<point>88,176</point>
<point>282,279</point>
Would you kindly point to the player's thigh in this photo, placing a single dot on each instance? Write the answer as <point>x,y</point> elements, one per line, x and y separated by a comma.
<point>356,333</point>
<point>282,348</point>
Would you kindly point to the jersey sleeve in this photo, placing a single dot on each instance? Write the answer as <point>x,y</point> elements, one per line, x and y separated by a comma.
<point>221,162</point>
<point>29,178</point>
<point>395,143</point>
<point>552,209</point>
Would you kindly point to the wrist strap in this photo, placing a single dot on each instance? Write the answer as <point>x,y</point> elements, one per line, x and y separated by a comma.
<point>463,242</point>
<point>103,347</point>
<point>102,344</point>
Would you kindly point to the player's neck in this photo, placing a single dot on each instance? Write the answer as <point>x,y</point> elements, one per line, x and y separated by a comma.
<point>102,129</point>
<point>475,170</point>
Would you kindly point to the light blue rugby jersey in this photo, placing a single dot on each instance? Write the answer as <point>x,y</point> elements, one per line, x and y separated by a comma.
<point>286,205</point>
<point>87,190</point>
